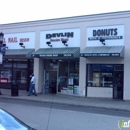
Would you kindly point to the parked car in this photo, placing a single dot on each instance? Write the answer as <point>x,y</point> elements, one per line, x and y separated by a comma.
<point>10,122</point>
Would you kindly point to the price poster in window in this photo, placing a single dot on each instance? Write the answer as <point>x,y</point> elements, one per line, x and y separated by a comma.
<point>71,81</point>
<point>96,79</point>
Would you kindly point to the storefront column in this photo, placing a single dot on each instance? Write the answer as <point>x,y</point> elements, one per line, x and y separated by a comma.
<point>38,69</point>
<point>82,77</point>
<point>126,95</point>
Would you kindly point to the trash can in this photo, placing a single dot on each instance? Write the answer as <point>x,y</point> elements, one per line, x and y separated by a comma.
<point>14,89</point>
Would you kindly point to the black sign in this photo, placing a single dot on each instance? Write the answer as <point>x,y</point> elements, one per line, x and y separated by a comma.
<point>53,55</point>
<point>100,54</point>
<point>107,34</point>
<point>35,55</point>
<point>54,35</point>
<point>106,38</point>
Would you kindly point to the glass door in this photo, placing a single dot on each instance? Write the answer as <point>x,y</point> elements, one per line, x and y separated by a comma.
<point>20,73</point>
<point>50,82</point>
<point>118,85</point>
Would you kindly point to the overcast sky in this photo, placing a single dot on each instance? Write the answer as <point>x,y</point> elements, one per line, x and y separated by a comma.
<point>13,11</point>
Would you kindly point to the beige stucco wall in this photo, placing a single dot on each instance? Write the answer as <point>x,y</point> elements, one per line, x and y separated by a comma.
<point>126,95</point>
<point>100,92</point>
<point>81,22</point>
<point>126,60</point>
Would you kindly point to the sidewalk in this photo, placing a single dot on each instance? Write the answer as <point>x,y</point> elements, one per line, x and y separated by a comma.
<point>69,100</point>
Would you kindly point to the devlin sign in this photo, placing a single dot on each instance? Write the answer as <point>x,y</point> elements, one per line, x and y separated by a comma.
<point>65,34</point>
<point>60,38</point>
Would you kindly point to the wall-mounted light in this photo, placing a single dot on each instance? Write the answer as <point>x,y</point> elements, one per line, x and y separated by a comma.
<point>22,45</point>
<point>64,42</point>
<point>49,44</point>
<point>102,41</point>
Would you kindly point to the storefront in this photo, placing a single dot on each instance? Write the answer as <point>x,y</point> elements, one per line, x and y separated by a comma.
<point>61,76</point>
<point>104,79</point>
<point>60,52</point>
<point>17,62</point>
<point>86,56</point>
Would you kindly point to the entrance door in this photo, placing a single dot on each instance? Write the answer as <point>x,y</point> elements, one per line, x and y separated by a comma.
<point>50,82</point>
<point>118,85</point>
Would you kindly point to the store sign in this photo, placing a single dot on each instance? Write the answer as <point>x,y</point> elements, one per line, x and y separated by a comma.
<point>100,55</point>
<point>15,39</point>
<point>107,34</point>
<point>56,55</point>
<point>113,35</point>
<point>12,40</point>
<point>58,35</point>
<point>60,38</point>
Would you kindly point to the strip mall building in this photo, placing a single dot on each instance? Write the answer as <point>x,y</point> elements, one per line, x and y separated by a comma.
<point>87,56</point>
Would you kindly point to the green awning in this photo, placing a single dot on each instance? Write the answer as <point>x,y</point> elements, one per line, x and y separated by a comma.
<point>103,51</point>
<point>57,52</point>
<point>19,52</point>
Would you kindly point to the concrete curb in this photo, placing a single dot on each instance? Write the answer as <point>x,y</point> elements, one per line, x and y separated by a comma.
<point>63,103</point>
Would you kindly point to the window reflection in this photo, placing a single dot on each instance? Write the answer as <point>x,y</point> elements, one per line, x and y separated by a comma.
<point>20,71</point>
<point>68,78</point>
<point>101,75</point>
<point>6,71</point>
<point>63,76</point>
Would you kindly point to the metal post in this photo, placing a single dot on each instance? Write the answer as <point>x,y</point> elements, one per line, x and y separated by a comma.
<point>2,51</point>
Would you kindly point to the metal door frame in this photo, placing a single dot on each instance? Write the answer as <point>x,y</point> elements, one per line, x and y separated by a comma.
<point>45,75</point>
<point>122,85</point>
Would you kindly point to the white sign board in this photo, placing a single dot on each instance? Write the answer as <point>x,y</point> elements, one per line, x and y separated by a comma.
<point>113,35</point>
<point>60,38</point>
<point>12,40</point>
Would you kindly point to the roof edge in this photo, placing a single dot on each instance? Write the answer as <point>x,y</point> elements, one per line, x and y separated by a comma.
<point>71,17</point>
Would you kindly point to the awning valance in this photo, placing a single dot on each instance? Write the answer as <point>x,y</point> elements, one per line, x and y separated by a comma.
<point>57,52</point>
<point>19,52</point>
<point>103,51</point>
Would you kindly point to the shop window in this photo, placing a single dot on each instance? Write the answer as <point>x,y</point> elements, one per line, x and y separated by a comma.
<point>20,71</point>
<point>51,64</point>
<point>106,68</point>
<point>73,77</point>
<point>63,77</point>
<point>100,75</point>
<point>6,71</point>
<point>68,78</point>
<point>118,68</point>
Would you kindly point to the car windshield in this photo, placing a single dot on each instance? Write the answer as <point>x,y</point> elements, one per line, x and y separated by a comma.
<point>8,122</point>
